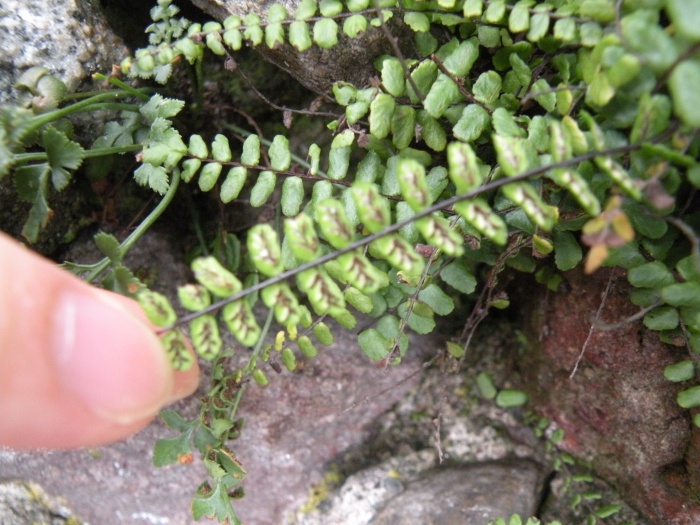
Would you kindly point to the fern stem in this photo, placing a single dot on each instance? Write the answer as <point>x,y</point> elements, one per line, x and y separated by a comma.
<point>251,363</point>
<point>152,217</point>
<point>397,226</point>
<point>268,143</point>
<point>84,105</point>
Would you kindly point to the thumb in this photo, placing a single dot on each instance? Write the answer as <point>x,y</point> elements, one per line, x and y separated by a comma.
<point>78,365</point>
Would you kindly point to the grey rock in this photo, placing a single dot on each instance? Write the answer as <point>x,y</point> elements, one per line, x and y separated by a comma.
<point>69,37</point>
<point>470,495</point>
<point>22,503</point>
<point>72,40</point>
<point>415,489</point>
<point>350,61</point>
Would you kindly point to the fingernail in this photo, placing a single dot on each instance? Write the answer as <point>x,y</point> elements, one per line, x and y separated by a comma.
<point>108,358</point>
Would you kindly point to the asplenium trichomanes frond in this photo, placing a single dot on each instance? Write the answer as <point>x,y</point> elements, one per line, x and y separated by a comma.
<point>523,132</point>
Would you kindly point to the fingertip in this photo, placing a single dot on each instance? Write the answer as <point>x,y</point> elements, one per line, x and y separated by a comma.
<point>108,358</point>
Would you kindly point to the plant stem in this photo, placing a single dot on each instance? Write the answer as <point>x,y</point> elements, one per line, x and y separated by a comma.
<point>251,362</point>
<point>25,158</point>
<point>152,217</point>
<point>263,140</point>
<point>84,105</point>
<point>442,205</point>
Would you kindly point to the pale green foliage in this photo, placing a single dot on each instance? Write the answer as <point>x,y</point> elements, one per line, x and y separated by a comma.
<point>528,133</point>
<point>534,141</point>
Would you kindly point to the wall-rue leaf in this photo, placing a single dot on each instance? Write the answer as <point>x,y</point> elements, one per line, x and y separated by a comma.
<point>474,121</point>
<point>292,196</point>
<point>307,347</point>
<point>169,450</point>
<point>281,299</point>
<point>302,238</point>
<point>334,223</point>
<point>372,207</point>
<point>264,249</point>
<point>263,188</point>
<point>157,307</point>
<point>204,331</point>
<point>478,213</point>
<point>361,273</point>
<point>399,253</point>
<point>209,175</point>
<point>443,93</point>
<point>511,398</point>
<point>233,184</point>
<point>414,188</point>
<point>240,320</point>
<point>439,301</point>
<point>299,35</point>
<point>464,169</point>
<point>381,111</point>
<point>251,151</point>
<point>326,33</point>
<point>457,275</point>
<point>177,350</point>
<point>686,99</point>
<point>437,231</point>
<point>681,371</point>
<point>373,344</point>
<point>214,277</point>
<point>193,297</point>
<point>280,156</point>
<point>525,196</point>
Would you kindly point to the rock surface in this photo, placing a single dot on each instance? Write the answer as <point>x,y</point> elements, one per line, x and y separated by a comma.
<point>70,38</point>
<point>350,61</point>
<point>470,495</point>
<point>402,491</point>
<point>618,411</point>
<point>25,503</point>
